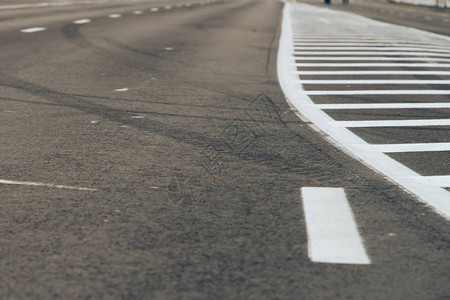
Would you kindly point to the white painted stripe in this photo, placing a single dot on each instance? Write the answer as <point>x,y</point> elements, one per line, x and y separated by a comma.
<point>138,12</point>
<point>373,81</point>
<point>383,105</point>
<point>50,185</point>
<point>378,92</point>
<point>436,197</point>
<point>81,21</point>
<point>121,90</point>
<point>441,181</point>
<point>371,58</point>
<point>332,232</point>
<point>114,16</point>
<point>392,123</point>
<point>154,9</point>
<point>353,65</point>
<point>167,7</point>
<point>372,49</point>
<point>368,43</point>
<point>395,148</point>
<point>369,53</point>
<point>33,29</point>
<point>373,72</point>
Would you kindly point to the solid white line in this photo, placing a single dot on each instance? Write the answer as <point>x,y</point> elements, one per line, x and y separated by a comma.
<point>81,21</point>
<point>392,123</point>
<point>50,185</point>
<point>373,72</point>
<point>332,232</point>
<point>436,197</point>
<point>379,92</point>
<point>373,48</point>
<point>396,148</point>
<point>384,105</point>
<point>381,81</point>
<point>369,53</point>
<point>33,29</point>
<point>371,58</point>
<point>352,65</point>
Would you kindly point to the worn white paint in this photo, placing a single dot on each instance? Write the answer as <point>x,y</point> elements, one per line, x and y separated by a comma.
<point>49,185</point>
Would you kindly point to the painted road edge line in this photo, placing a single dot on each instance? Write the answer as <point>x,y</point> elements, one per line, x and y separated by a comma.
<point>49,185</point>
<point>436,197</point>
<point>332,232</point>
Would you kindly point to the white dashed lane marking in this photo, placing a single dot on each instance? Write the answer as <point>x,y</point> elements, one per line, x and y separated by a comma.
<point>33,29</point>
<point>82,21</point>
<point>48,185</point>
<point>332,232</point>
<point>308,47</point>
<point>114,16</point>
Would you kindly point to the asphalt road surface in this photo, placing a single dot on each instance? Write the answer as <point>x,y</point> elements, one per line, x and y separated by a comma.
<point>148,152</point>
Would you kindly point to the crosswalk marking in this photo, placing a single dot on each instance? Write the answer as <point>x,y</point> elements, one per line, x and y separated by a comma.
<point>440,181</point>
<point>371,58</point>
<point>353,65</point>
<point>369,53</point>
<point>442,50</point>
<point>374,72</point>
<point>393,123</point>
<point>378,51</point>
<point>377,92</point>
<point>396,148</point>
<point>373,81</point>
<point>383,105</point>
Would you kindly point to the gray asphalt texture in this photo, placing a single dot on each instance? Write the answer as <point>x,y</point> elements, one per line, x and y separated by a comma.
<point>198,166</point>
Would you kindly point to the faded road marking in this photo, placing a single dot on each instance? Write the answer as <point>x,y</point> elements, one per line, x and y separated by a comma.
<point>49,185</point>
